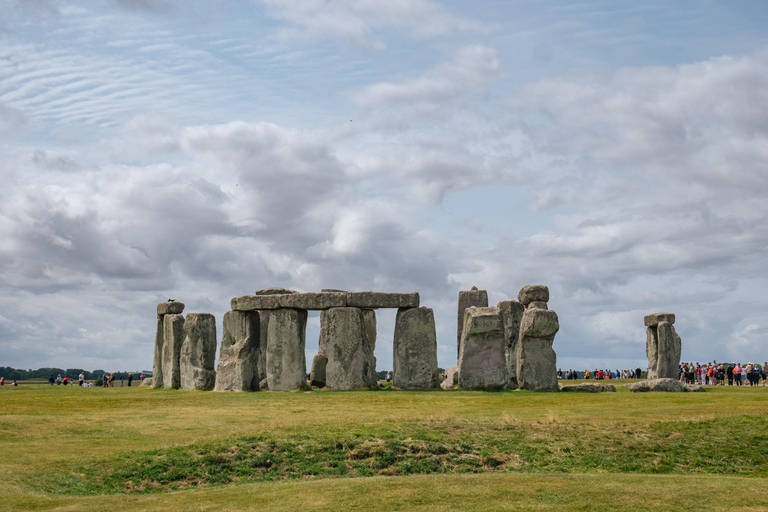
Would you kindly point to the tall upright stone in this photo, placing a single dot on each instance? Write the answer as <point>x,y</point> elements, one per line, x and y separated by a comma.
<point>536,359</point>
<point>317,375</point>
<point>164,308</point>
<point>473,297</point>
<point>663,346</point>
<point>173,337</point>
<point>415,349</point>
<point>350,359</point>
<point>512,316</point>
<point>264,314</point>
<point>286,364</point>
<point>482,354</point>
<point>237,369</point>
<point>198,352</point>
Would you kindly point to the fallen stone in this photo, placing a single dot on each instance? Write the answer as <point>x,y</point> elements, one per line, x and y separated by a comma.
<point>664,384</point>
<point>451,377</point>
<point>350,358</point>
<point>694,388</point>
<point>317,375</point>
<point>170,308</point>
<point>415,349</point>
<point>173,337</point>
<point>590,387</point>
<point>314,300</point>
<point>512,316</point>
<point>375,300</point>
<point>536,359</point>
<point>467,299</point>
<point>147,381</point>
<point>482,357</point>
<point>654,319</point>
<point>237,369</point>
<point>255,302</point>
<point>286,364</point>
<point>533,293</point>
<point>157,363</point>
<point>198,352</point>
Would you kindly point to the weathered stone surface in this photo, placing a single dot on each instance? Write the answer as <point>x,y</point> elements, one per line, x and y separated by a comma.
<point>590,387</point>
<point>261,360</point>
<point>663,348</point>
<point>482,356</point>
<point>275,290</point>
<point>653,320</point>
<point>170,308</point>
<point>147,381</point>
<point>237,369</point>
<point>537,304</point>
<point>694,388</point>
<point>512,316</point>
<point>286,363</point>
<point>332,290</point>
<point>369,319</point>
<point>322,348</point>
<point>264,385</point>
<point>451,377</point>
<point>157,364</point>
<point>198,352</point>
<point>314,300</point>
<point>415,349</point>
<point>350,358</point>
<point>664,384</point>
<point>467,299</point>
<point>255,302</point>
<point>173,337</point>
<point>317,375</point>
<point>536,359</point>
<point>374,300</point>
<point>533,292</point>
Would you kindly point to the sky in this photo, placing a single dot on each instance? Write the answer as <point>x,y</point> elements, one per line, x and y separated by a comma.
<point>616,151</point>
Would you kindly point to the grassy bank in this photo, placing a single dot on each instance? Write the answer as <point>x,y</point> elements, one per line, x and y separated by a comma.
<point>74,445</point>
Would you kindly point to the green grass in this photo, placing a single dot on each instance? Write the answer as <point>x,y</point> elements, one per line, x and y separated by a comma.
<point>64,447</point>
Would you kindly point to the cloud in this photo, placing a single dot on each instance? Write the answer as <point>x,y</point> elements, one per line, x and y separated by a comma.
<point>356,21</point>
<point>146,5</point>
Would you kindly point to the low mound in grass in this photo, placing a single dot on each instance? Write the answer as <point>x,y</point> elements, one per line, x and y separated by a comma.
<point>734,446</point>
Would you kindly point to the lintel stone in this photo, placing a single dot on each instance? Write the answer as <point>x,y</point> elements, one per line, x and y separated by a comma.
<point>374,300</point>
<point>255,302</point>
<point>654,319</point>
<point>314,300</point>
<point>170,308</point>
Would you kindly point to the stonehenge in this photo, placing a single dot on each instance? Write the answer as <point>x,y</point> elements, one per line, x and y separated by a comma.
<point>264,336</point>
<point>663,346</point>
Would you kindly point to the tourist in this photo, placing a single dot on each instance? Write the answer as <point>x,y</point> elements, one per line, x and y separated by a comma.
<point>764,372</point>
<point>2,381</point>
<point>586,374</point>
<point>81,378</point>
<point>65,380</point>
<point>638,373</point>
<point>122,376</point>
<point>744,375</point>
<point>15,383</point>
<point>58,380</point>
<point>142,377</point>
<point>130,378</point>
<point>105,380</point>
<point>737,374</point>
<point>729,374</point>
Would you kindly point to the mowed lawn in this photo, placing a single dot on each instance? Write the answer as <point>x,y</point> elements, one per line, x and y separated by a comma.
<point>71,448</point>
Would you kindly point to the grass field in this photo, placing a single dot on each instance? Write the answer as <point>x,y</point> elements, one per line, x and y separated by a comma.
<point>142,449</point>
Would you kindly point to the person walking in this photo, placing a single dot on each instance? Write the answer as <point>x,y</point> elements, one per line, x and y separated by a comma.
<point>729,374</point>
<point>737,374</point>
<point>104,381</point>
<point>122,377</point>
<point>58,380</point>
<point>81,379</point>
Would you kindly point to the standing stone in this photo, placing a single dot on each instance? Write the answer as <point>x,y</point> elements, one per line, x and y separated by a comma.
<point>512,316</point>
<point>482,354</point>
<point>261,360</point>
<point>663,346</point>
<point>317,375</point>
<point>473,297</point>
<point>198,352</point>
<point>536,360</point>
<point>173,337</point>
<point>286,363</point>
<point>369,319</point>
<point>157,365</point>
<point>164,308</point>
<point>415,349</point>
<point>238,357</point>
<point>350,359</point>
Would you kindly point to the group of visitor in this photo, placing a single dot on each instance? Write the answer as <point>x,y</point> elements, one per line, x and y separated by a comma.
<point>601,374</point>
<point>2,382</point>
<point>715,373</point>
<point>108,380</point>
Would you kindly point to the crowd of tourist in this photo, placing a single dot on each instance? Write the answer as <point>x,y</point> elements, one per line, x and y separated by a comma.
<point>715,373</point>
<point>108,380</point>
<point>601,374</point>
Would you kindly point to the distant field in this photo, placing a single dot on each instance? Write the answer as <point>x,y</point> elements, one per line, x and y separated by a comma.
<point>72,448</point>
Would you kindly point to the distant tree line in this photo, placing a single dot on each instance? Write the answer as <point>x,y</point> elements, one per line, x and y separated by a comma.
<point>11,374</point>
